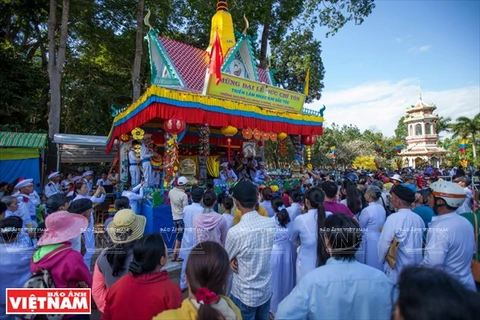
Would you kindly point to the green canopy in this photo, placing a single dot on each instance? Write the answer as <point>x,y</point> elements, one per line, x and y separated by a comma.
<point>23,140</point>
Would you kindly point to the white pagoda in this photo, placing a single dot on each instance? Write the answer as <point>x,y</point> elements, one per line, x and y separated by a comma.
<point>422,147</point>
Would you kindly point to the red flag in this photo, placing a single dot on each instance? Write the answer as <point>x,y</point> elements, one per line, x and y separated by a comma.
<point>216,59</point>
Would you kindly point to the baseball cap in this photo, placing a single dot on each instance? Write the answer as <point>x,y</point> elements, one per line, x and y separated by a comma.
<point>245,192</point>
<point>182,181</point>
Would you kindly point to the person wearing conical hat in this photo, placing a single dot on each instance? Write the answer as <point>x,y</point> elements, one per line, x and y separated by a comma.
<point>53,186</point>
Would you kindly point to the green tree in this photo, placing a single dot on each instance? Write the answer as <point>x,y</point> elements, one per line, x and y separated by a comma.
<point>467,128</point>
<point>401,132</point>
<point>293,57</point>
<point>443,124</point>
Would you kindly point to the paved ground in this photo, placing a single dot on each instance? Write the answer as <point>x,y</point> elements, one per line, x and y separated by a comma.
<point>173,269</point>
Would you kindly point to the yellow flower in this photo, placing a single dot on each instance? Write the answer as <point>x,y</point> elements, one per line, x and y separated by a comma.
<point>175,168</point>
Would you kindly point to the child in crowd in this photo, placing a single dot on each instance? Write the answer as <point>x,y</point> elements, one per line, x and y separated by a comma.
<point>156,292</point>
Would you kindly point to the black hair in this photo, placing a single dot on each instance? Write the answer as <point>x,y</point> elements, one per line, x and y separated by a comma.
<point>296,195</point>
<point>78,186</point>
<point>126,186</point>
<point>122,203</point>
<point>196,194</point>
<point>430,294</point>
<point>330,188</point>
<point>227,203</point>
<point>267,194</point>
<point>208,267</point>
<point>147,253</point>
<point>209,198</point>
<point>344,235</point>
<point>3,207</point>
<point>354,197</point>
<point>3,184</point>
<point>282,215</point>
<point>54,202</point>
<point>209,184</point>
<point>10,228</point>
<point>316,197</point>
<point>117,255</point>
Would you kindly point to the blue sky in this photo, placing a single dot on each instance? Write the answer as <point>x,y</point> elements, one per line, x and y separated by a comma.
<point>376,67</point>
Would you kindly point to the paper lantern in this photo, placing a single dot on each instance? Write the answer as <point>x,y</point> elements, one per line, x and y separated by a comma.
<point>138,133</point>
<point>257,134</point>
<point>260,143</point>
<point>174,126</point>
<point>247,133</point>
<point>273,136</point>
<point>229,131</point>
<point>309,140</point>
<point>124,137</point>
<point>265,136</point>
<point>282,136</point>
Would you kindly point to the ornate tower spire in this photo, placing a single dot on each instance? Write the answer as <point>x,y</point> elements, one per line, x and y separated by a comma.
<point>223,24</point>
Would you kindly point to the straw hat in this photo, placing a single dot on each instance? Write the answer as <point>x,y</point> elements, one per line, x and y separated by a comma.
<point>126,226</point>
<point>62,226</point>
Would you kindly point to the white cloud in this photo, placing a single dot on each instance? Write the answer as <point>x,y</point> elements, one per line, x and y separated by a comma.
<point>403,39</point>
<point>422,49</point>
<point>382,104</point>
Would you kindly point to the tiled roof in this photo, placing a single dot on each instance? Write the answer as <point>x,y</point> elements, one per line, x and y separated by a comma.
<point>191,62</point>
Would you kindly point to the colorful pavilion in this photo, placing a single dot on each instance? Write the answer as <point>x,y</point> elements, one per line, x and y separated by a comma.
<point>185,105</point>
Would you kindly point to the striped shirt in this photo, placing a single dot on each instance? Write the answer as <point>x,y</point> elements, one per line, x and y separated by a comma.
<point>251,243</point>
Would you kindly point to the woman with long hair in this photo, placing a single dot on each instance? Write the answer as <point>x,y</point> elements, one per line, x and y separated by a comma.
<point>305,230</point>
<point>266,200</point>
<point>113,262</point>
<point>283,256</point>
<point>354,198</point>
<point>208,269</point>
<point>295,198</point>
<point>153,291</point>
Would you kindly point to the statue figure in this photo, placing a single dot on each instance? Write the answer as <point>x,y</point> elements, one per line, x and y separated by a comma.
<point>188,169</point>
<point>249,151</point>
<point>295,169</point>
<point>202,174</point>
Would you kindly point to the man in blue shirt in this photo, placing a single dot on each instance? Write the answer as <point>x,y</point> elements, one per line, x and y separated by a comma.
<point>342,288</point>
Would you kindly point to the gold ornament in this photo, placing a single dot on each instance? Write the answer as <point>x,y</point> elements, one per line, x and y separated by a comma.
<point>229,131</point>
<point>138,133</point>
<point>282,136</point>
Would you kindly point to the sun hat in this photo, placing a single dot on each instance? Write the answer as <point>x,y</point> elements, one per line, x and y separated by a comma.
<point>23,183</point>
<point>126,226</point>
<point>397,177</point>
<point>182,181</point>
<point>53,174</point>
<point>62,226</point>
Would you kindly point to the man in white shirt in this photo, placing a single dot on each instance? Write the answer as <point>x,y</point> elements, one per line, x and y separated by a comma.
<point>262,173</point>
<point>249,245</point>
<point>188,240</point>
<point>403,226</point>
<point>133,165</point>
<point>103,181</point>
<point>450,238</point>
<point>226,175</point>
<point>178,201</point>
<point>53,186</point>
<point>145,156</point>
<point>87,178</point>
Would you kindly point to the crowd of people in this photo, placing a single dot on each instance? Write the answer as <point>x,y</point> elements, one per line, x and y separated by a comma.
<point>356,246</point>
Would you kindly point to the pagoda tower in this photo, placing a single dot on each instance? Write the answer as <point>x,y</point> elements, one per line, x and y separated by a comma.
<point>422,140</point>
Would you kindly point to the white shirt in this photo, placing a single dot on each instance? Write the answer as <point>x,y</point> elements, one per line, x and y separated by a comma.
<point>408,227</point>
<point>134,197</point>
<point>305,228</point>
<point>105,182</point>
<point>450,245</point>
<point>89,184</point>
<point>145,152</point>
<point>51,188</point>
<point>371,219</point>
<point>132,157</point>
<point>92,198</point>
<point>251,242</point>
<point>230,175</point>
<point>294,211</point>
<point>178,201</point>
<point>229,219</point>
